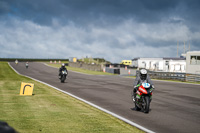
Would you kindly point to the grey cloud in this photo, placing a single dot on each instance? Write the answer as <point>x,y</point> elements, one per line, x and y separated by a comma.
<point>103,13</point>
<point>104,28</point>
<point>122,41</point>
<point>4,7</point>
<point>112,10</point>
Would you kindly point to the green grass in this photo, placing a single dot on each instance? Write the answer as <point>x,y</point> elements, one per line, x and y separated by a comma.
<point>49,110</point>
<point>82,70</point>
<point>130,76</point>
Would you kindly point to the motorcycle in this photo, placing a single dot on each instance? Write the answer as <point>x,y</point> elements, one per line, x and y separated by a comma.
<point>143,97</point>
<point>16,62</point>
<point>63,76</point>
<point>26,65</point>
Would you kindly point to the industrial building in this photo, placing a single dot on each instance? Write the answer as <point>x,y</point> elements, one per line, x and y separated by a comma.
<point>161,64</point>
<point>188,63</point>
<point>193,62</point>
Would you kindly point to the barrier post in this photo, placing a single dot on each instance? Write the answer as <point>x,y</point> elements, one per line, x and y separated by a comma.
<point>129,72</point>
<point>104,69</point>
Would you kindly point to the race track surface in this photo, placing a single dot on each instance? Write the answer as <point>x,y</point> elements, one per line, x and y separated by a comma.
<point>175,106</point>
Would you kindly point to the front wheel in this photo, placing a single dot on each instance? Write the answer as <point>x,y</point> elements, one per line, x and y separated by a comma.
<point>146,104</point>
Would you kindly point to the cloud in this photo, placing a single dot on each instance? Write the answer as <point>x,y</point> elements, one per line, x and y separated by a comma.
<point>114,29</point>
<point>42,12</point>
<point>125,40</point>
<point>4,7</point>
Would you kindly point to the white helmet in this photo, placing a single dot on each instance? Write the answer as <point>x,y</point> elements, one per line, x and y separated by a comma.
<point>143,74</point>
<point>63,64</point>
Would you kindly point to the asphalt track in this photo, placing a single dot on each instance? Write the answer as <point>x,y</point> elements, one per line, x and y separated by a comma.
<point>175,106</point>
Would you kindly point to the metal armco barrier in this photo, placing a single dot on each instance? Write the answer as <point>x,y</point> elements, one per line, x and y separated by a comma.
<point>175,76</point>
<point>193,77</point>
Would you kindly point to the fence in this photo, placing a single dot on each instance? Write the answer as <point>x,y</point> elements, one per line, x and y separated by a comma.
<point>175,76</point>
<point>193,77</point>
<point>167,75</point>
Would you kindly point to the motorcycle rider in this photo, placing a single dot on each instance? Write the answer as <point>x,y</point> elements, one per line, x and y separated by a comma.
<point>26,65</point>
<point>16,62</point>
<point>142,77</point>
<point>62,68</point>
<point>5,128</point>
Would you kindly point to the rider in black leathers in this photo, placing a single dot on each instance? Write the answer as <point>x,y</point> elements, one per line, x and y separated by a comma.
<point>5,128</point>
<point>62,68</point>
<point>142,77</point>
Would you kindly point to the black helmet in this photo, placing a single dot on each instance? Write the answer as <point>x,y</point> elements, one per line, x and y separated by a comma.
<point>143,74</point>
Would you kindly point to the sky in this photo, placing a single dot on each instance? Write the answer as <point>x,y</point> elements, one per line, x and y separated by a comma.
<point>111,29</point>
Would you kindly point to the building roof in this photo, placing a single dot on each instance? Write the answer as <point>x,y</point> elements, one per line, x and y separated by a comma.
<point>163,58</point>
<point>193,52</point>
<point>174,58</point>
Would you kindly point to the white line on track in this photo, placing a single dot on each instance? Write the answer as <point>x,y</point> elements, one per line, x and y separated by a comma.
<point>98,107</point>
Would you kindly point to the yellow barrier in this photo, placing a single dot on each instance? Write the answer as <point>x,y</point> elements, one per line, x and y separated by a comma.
<point>26,88</point>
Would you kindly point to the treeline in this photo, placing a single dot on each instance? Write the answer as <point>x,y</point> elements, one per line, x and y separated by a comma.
<point>31,59</point>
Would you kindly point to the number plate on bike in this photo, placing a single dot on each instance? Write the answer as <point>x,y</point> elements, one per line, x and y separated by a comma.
<point>146,85</point>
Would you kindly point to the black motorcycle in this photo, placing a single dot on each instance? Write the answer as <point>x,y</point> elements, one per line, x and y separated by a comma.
<point>26,65</point>
<point>63,76</point>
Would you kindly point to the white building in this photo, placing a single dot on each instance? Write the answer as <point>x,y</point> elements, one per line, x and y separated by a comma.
<point>147,63</point>
<point>193,62</point>
<point>161,64</point>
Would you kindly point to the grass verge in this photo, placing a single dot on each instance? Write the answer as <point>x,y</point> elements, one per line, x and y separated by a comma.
<point>82,70</point>
<point>49,110</point>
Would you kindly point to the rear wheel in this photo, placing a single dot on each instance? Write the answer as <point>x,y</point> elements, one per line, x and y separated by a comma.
<point>146,104</point>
